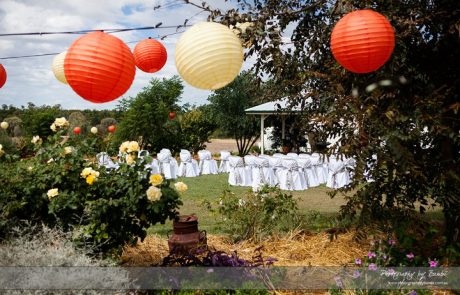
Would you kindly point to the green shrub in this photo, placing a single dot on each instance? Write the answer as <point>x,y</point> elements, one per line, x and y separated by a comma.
<point>257,215</point>
<point>62,185</point>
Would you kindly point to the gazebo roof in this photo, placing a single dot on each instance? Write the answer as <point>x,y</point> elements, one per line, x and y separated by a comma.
<point>277,107</point>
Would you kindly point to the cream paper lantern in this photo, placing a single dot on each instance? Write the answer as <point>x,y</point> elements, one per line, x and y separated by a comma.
<point>209,55</point>
<point>94,130</point>
<point>4,125</point>
<point>58,67</point>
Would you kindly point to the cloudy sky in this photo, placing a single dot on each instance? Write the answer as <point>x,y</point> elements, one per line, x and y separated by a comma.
<point>31,79</point>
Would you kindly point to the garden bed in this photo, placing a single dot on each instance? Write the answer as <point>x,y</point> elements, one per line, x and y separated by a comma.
<point>297,249</point>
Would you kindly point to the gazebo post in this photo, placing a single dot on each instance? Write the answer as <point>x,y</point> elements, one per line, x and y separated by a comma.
<point>262,119</point>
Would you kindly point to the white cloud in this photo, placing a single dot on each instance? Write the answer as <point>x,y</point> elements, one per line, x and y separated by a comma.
<point>31,79</point>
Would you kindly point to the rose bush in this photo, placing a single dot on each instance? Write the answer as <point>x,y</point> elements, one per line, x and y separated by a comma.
<point>62,185</point>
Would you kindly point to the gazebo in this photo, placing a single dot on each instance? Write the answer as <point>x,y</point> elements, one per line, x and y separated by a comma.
<point>279,108</point>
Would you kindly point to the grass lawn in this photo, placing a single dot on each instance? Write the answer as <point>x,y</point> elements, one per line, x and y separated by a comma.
<point>313,203</point>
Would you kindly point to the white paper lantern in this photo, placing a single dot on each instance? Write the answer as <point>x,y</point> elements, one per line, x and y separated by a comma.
<point>4,125</point>
<point>58,67</point>
<point>94,130</point>
<point>209,56</point>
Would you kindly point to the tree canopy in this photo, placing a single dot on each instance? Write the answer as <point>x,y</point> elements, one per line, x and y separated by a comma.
<point>404,129</point>
<point>228,105</point>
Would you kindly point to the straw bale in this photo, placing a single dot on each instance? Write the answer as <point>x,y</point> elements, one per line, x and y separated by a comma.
<point>295,249</point>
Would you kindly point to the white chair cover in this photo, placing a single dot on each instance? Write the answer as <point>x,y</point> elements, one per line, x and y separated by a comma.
<point>186,167</point>
<point>277,165</point>
<point>318,163</point>
<point>250,164</point>
<point>154,166</point>
<point>167,165</point>
<point>290,177</point>
<point>238,175</point>
<point>304,156</point>
<point>278,155</point>
<point>103,159</point>
<point>207,164</point>
<point>292,155</point>
<point>350,164</point>
<point>306,167</point>
<point>262,174</point>
<point>165,151</point>
<point>143,153</point>
<point>224,166</point>
<point>338,176</point>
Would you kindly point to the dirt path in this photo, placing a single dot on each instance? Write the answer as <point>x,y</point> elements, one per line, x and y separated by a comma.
<point>217,145</point>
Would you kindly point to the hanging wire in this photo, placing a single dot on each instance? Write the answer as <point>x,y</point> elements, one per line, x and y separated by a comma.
<point>156,27</point>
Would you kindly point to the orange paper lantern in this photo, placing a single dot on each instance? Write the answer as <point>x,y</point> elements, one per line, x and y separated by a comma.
<point>99,67</point>
<point>2,76</point>
<point>362,41</point>
<point>172,115</point>
<point>77,130</point>
<point>150,55</point>
<point>111,128</point>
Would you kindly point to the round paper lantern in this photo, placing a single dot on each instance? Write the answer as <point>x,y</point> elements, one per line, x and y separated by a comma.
<point>111,128</point>
<point>4,125</point>
<point>58,67</point>
<point>362,41</point>
<point>77,130</point>
<point>172,115</point>
<point>209,56</point>
<point>93,130</point>
<point>2,76</point>
<point>99,67</point>
<point>150,55</point>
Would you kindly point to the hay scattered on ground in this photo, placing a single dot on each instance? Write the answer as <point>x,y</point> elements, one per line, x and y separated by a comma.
<point>297,249</point>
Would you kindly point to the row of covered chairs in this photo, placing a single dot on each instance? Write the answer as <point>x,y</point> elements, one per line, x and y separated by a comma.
<point>289,172</point>
<point>167,165</point>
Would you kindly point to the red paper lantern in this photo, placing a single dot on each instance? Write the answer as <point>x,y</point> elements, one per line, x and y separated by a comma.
<point>362,41</point>
<point>172,115</point>
<point>150,55</point>
<point>2,76</point>
<point>77,130</point>
<point>99,67</point>
<point>111,128</point>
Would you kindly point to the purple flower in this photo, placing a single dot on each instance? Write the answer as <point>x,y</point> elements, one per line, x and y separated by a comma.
<point>371,255</point>
<point>433,263</point>
<point>338,282</point>
<point>410,256</point>
<point>358,261</point>
<point>356,274</point>
<point>391,242</point>
<point>412,292</point>
<point>372,266</point>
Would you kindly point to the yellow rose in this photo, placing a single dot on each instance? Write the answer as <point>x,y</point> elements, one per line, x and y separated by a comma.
<point>4,125</point>
<point>90,179</point>
<point>68,150</point>
<point>36,139</point>
<point>180,186</point>
<point>61,122</point>
<point>87,171</point>
<point>30,168</point>
<point>133,146</point>
<point>130,159</point>
<point>94,130</point>
<point>153,193</point>
<point>124,147</point>
<point>52,193</point>
<point>53,127</point>
<point>156,179</point>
